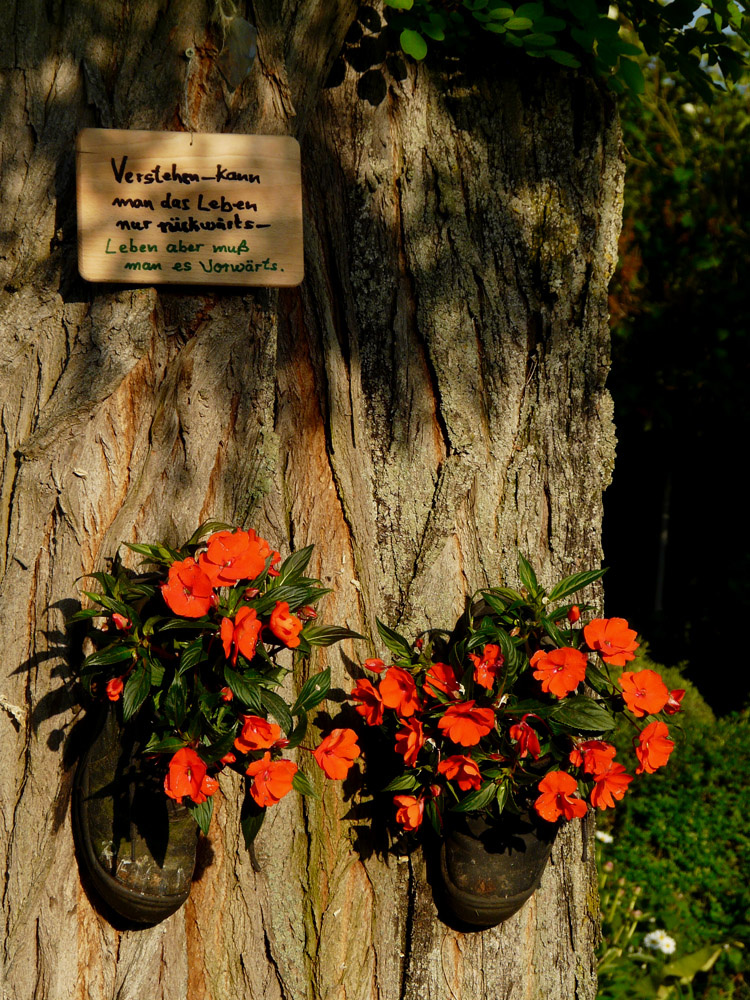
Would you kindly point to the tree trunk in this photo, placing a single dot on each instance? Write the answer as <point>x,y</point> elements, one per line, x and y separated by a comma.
<point>429,400</point>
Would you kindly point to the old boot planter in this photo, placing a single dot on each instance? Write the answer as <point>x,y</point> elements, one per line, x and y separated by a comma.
<point>137,846</point>
<point>184,670</point>
<point>490,870</point>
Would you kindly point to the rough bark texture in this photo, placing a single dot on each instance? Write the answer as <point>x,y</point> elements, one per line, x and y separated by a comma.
<point>430,399</point>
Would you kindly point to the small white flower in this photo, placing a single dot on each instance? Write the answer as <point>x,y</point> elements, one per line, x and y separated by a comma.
<point>545,600</point>
<point>660,941</point>
<point>606,838</point>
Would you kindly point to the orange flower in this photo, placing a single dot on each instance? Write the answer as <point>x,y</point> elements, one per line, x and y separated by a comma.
<point>257,734</point>
<point>371,707</point>
<point>595,756</point>
<point>673,705</point>
<point>188,591</point>
<point>398,690</point>
<point>226,694</point>
<point>234,555</point>
<point>560,671</point>
<point>185,775</point>
<point>525,735</point>
<point>612,639</point>
<point>487,666</point>
<point>285,626</point>
<point>272,779</point>
<point>559,797</point>
<point>609,785</point>
<point>645,693</point>
<point>242,633</point>
<point>654,748</point>
<point>465,724</point>
<point>375,664</point>
<point>461,769</point>
<point>441,677</point>
<point>337,752</point>
<point>121,622</point>
<point>114,688</point>
<point>409,812</point>
<point>209,786</point>
<point>409,741</point>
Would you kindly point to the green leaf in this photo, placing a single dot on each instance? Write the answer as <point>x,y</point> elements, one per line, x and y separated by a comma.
<point>313,692</point>
<point>526,573</point>
<point>175,702</point>
<point>248,691</point>
<point>325,635</point>
<point>110,603</point>
<point>298,733</point>
<point>295,595</point>
<point>581,714</point>
<point>502,796</point>
<point>212,752</point>
<point>596,679</point>
<point>689,965</point>
<point>278,709</point>
<point>207,528</point>
<point>202,813</point>
<point>112,654</point>
<point>538,40</point>
<point>136,690</point>
<point>169,744</point>
<point>196,624</point>
<point>433,31</point>
<point>413,44</point>
<point>302,784</point>
<point>477,800</point>
<point>251,820</point>
<point>294,566</point>
<point>631,73</point>
<point>394,641</point>
<point>84,615</point>
<point>575,582</point>
<point>530,10</point>
<point>403,783</point>
<point>400,4</point>
<point>154,553</point>
<point>554,632</point>
<point>519,24</point>
<point>191,656</point>
<point>564,58</point>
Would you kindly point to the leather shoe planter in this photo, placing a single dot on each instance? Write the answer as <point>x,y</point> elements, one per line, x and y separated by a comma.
<point>489,871</point>
<point>137,845</point>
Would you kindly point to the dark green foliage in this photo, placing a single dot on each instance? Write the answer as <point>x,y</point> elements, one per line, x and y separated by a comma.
<point>682,836</point>
<point>577,32</point>
<point>681,362</point>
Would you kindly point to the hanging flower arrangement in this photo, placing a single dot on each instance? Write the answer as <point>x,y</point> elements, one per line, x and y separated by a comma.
<point>493,716</point>
<point>191,650</point>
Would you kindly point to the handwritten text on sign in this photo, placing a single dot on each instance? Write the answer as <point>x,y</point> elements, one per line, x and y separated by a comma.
<point>158,207</point>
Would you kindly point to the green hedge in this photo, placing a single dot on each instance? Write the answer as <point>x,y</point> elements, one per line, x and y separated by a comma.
<point>683,836</point>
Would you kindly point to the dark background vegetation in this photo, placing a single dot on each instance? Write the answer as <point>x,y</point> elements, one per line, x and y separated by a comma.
<point>675,532</point>
<point>675,538</point>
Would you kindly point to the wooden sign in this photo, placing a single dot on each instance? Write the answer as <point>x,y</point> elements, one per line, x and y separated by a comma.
<point>180,207</point>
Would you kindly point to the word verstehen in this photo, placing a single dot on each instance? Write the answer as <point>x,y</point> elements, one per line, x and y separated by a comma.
<point>158,175</point>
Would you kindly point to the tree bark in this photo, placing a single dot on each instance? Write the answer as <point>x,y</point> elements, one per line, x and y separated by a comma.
<point>429,400</point>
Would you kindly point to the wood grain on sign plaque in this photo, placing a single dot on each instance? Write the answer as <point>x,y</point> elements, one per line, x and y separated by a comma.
<point>179,207</point>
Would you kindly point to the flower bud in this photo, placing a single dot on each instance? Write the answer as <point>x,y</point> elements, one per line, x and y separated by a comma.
<point>574,614</point>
